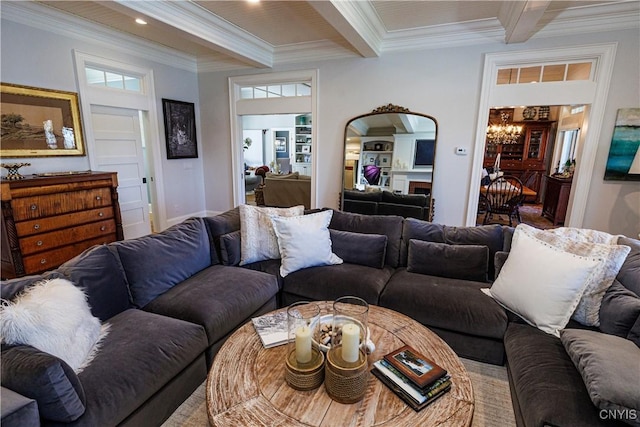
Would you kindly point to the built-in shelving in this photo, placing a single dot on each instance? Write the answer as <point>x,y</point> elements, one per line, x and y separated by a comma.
<point>302,155</point>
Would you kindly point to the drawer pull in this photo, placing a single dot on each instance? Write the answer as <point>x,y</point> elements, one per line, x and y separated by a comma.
<point>43,261</point>
<point>34,207</point>
<point>103,228</point>
<point>39,243</point>
<point>101,214</point>
<point>36,227</point>
<point>98,197</point>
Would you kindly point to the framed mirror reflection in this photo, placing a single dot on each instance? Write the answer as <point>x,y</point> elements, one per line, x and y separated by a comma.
<point>389,162</point>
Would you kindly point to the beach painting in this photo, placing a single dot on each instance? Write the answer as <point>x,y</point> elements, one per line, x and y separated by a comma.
<point>623,163</point>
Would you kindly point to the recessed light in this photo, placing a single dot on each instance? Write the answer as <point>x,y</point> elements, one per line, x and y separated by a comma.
<point>141,21</point>
<point>253,1</point>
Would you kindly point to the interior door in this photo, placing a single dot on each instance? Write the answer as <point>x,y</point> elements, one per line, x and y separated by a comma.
<point>119,148</point>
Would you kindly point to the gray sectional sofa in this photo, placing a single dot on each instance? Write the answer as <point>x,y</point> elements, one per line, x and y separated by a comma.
<point>160,291</point>
<point>170,304</point>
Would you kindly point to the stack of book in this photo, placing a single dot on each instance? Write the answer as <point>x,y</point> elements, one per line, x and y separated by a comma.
<point>413,377</point>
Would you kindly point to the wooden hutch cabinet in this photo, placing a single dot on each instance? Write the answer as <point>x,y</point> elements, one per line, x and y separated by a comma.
<point>556,198</point>
<point>47,220</point>
<point>526,159</point>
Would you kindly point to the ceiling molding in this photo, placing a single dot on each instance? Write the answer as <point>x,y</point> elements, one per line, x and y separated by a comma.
<point>357,22</point>
<point>312,51</point>
<point>608,17</point>
<point>520,19</point>
<point>207,27</point>
<point>42,17</point>
<point>442,36</point>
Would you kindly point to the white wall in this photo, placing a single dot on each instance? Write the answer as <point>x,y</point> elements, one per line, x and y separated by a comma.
<point>43,59</point>
<point>445,84</point>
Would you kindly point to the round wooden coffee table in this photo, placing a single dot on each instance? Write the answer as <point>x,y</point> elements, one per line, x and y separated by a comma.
<point>246,385</point>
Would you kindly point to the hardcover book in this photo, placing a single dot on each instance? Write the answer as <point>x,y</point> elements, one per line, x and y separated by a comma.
<point>412,398</point>
<point>421,370</point>
<point>272,328</point>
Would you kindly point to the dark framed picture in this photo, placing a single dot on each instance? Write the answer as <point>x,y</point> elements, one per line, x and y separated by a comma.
<point>180,129</point>
<point>415,366</point>
<point>39,122</point>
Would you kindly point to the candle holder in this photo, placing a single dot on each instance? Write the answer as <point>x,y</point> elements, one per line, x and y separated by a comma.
<point>346,382</point>
<point>304,362</point>
<point>346,370</point>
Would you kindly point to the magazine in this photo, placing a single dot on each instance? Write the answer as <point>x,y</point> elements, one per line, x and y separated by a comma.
<point>272,328</point>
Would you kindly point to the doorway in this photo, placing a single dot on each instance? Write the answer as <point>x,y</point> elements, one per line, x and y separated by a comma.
<point>511,79</point>
<point>542,154</point>
<point>121,106</point>
<point>274,94</point>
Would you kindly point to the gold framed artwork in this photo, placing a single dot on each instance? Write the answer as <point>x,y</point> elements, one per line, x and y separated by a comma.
<point>39,122</point>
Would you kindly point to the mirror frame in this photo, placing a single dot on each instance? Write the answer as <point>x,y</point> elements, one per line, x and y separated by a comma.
<point>386,109</point>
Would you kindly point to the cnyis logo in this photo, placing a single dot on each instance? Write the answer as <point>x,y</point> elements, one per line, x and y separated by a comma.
<point>619,414</point>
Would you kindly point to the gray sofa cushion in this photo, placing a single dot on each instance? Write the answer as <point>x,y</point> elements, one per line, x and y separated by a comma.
<point>142,353</point>
<point>99,273</point>
<point>464,262</point>
<point>172,256</point>
<point>629,274</point>
<point>334,281</point>
<point>405,199</point>
<point>391,226</point>
<point>634,333</point>
<point>359,248</point>
<point>544,382</point>
<point>451,304</point>
<point>230,248</point>
<point>18,410</point>
<point>46,379</point>
<point>221,224</point>
<point>619,311</point>
<point>610,369</point>
<point>490,236</point>
<point>219,298</point>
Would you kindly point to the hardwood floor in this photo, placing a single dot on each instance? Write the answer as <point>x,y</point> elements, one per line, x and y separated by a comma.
<point>529,213</point>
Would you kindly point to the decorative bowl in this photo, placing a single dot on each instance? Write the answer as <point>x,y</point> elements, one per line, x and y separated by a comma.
<point>326,332</point>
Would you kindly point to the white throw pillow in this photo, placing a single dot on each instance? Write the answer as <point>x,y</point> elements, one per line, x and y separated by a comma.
<point>258,241</point>
<point>588,243</point>
<point>304,241</point>
<point>53,316</point>
<point>541,283</point>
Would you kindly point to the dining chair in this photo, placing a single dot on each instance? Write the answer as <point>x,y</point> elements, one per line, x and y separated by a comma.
<point>503,197</point>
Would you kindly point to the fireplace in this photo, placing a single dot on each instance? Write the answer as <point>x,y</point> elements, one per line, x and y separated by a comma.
<point>419,187</point>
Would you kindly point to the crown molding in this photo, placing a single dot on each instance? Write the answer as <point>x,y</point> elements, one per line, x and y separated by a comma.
<point>442,36</point>
<point>207,27</point>
<point>43,17</point>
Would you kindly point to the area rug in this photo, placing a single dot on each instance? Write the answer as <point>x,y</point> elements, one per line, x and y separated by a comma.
<point>490,385</point>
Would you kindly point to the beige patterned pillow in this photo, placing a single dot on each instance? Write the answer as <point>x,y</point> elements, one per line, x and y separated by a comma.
<point>258,241</point>
<point>590,243</point>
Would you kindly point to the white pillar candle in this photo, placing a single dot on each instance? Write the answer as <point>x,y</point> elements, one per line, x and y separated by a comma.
<point>350,342</point>
<point>303,344</point>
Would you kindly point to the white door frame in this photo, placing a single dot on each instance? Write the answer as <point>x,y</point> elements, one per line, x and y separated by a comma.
<point>143,101</point>
<point>289,105</point>
<point>592,92</point>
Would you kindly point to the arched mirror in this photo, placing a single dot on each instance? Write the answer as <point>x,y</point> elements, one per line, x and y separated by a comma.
<point>389,160</point>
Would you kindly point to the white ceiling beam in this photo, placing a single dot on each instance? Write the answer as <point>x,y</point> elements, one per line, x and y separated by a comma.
<point>356,21</point>
<point>520,19</point>
<point>207,28</point>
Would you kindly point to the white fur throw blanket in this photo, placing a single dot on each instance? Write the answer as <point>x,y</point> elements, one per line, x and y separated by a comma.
<point>53,316</point>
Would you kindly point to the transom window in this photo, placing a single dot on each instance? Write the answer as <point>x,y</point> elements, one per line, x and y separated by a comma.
<point>546,73</point>
<point>113,79</point>
<point>275,91</point>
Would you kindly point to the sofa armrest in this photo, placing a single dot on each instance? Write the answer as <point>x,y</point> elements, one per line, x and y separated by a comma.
<point>18,410</point>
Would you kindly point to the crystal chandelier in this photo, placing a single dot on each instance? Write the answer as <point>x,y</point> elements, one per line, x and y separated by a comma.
<point>503,133</point>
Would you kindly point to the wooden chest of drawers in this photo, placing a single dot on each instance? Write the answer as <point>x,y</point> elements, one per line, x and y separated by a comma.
<point>49,220</point>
